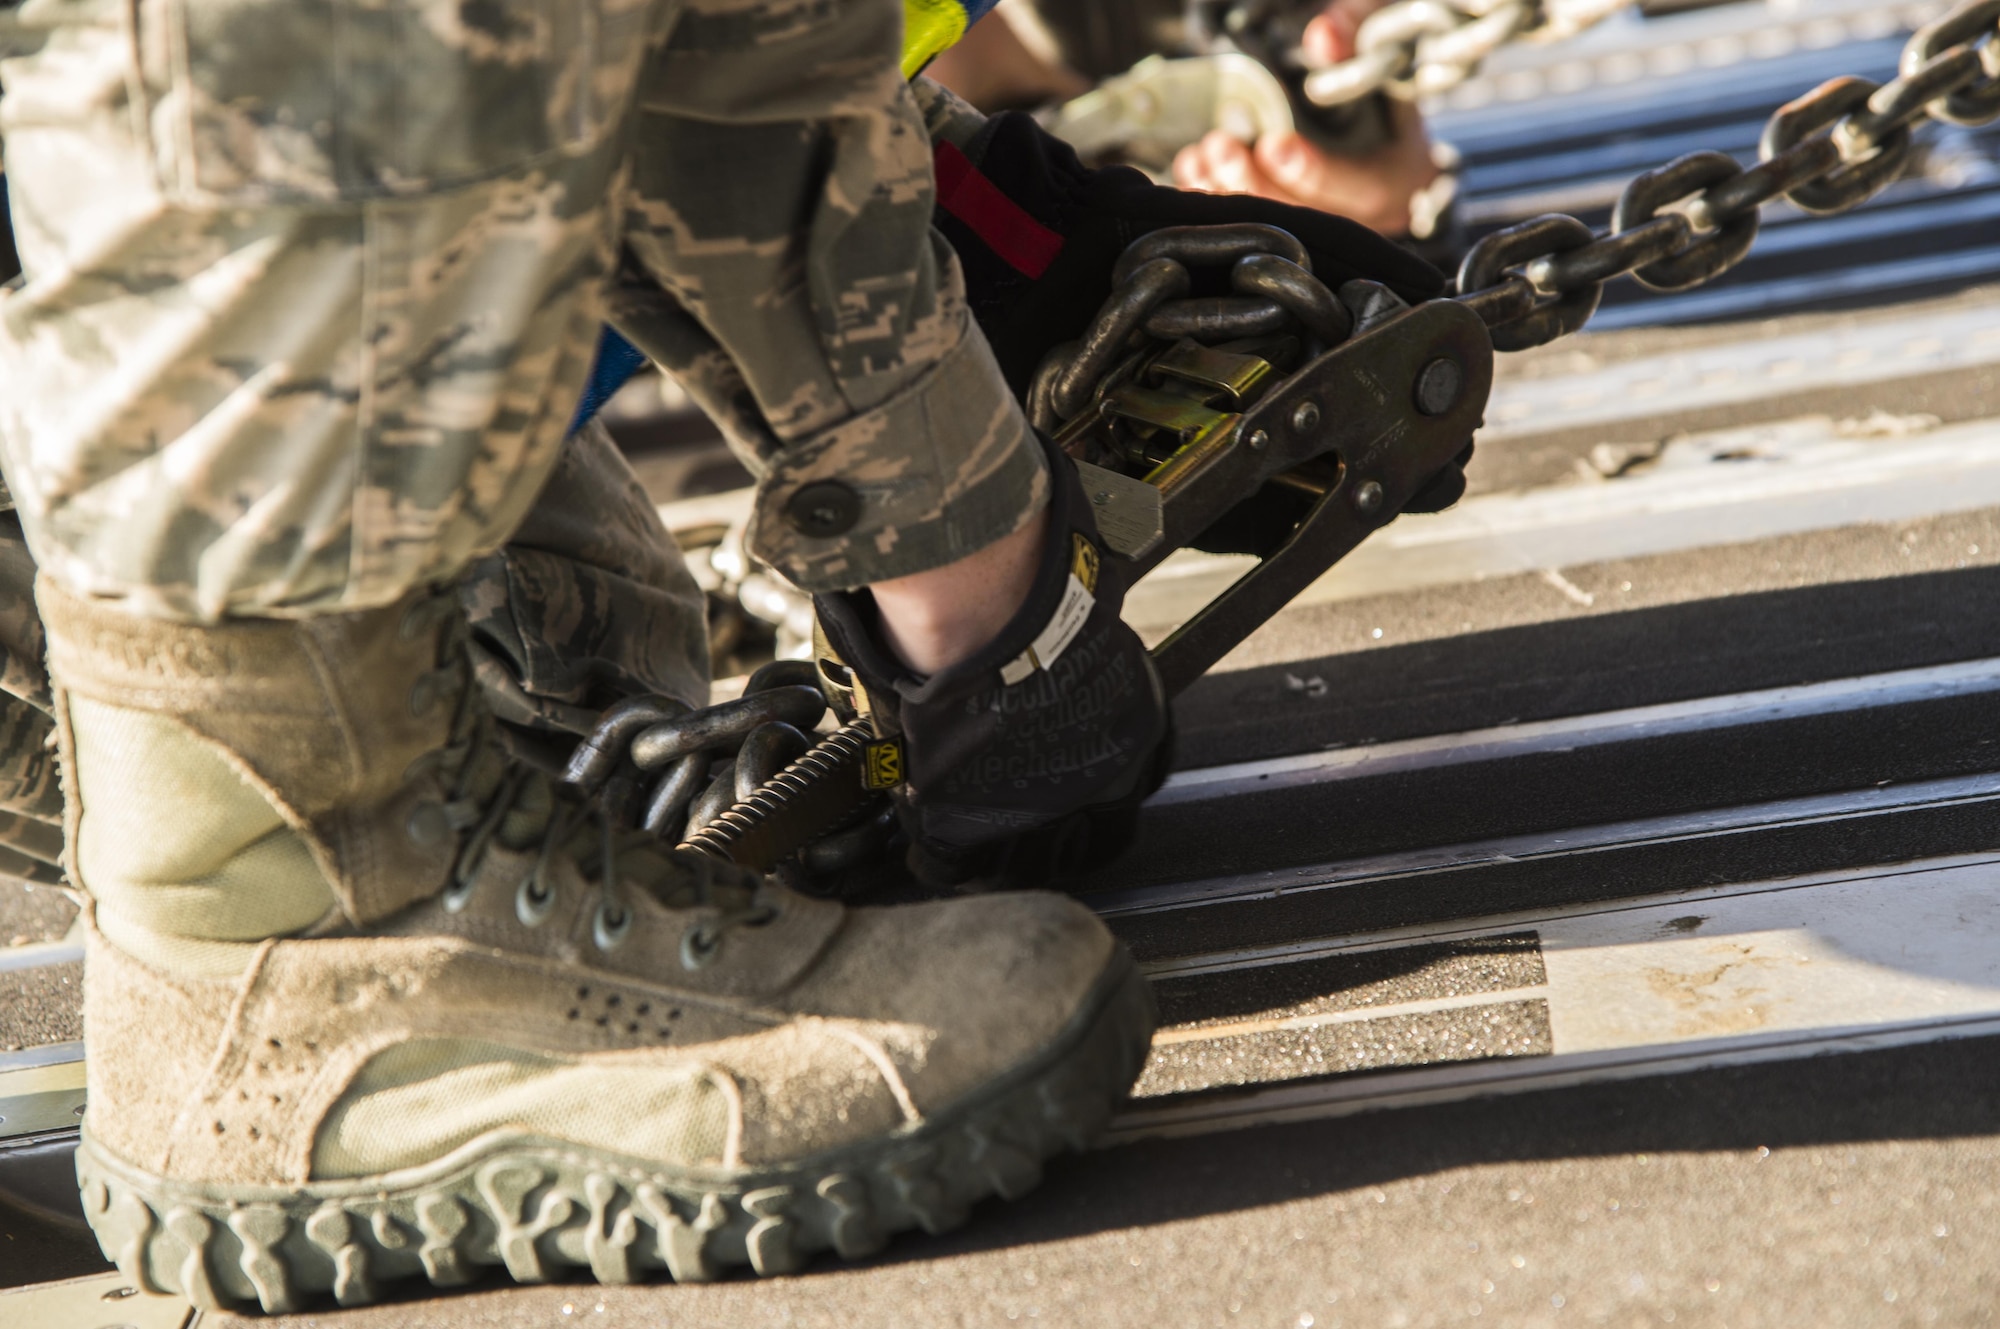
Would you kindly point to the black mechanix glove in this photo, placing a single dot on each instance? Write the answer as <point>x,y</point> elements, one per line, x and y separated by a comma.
<point>1026,763</point>
<point>1037,233</point>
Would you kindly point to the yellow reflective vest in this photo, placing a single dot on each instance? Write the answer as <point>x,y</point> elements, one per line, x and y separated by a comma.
<point>929,26</point>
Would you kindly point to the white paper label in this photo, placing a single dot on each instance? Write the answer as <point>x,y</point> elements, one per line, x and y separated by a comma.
<point>1054,639</point>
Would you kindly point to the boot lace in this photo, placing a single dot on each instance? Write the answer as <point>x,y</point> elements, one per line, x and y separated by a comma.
<point>493,798</point>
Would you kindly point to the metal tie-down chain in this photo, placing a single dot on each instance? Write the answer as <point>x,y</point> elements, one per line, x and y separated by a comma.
<point>1415,48</point>
<point>1273,294</point>
<point>1692,220</point>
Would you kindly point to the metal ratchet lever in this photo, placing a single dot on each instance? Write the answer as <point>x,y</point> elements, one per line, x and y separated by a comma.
<point>1389,409</point>
<point>1378,416</point>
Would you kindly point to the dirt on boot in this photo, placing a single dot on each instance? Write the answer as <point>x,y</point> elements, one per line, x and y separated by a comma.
<point>512,1035</point>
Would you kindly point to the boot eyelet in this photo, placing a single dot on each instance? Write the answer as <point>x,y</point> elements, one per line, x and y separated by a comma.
<point>423,696</point>
<point>610,927</point>
<point>531,906</point>
<point>699,945</point>
<point>455,896</point>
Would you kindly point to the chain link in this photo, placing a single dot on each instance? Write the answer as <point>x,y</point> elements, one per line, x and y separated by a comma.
<point>1695,218</point>
<point>1416,48</point>
<point>1273,290</point>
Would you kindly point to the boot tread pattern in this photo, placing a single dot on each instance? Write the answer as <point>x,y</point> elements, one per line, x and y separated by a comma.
<point>539,1210</point>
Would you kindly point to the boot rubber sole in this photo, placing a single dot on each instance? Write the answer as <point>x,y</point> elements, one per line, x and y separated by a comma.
<point>542,1208</point>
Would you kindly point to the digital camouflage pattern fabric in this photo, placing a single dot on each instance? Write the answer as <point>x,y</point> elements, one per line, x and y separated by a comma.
<point>311,290</point>
<point>294,340</point>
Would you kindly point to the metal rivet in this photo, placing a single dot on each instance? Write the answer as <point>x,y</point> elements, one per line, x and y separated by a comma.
<point>1367,497</point>
<point>1305,416</point>
<point>1259,440</point>
<point>1438,386</point>
<point>824,509</point>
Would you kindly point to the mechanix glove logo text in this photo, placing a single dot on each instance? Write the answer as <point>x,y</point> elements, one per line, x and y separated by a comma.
<point>882,764</point>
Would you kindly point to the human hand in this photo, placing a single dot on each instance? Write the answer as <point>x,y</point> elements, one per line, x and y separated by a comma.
<point>1374,190</point>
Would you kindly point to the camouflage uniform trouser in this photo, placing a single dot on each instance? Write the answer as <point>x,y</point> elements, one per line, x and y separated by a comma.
<point>312,289</point>
<point>589,603</point>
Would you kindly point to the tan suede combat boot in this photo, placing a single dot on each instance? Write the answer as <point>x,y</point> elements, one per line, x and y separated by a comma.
<point>365,1000</point>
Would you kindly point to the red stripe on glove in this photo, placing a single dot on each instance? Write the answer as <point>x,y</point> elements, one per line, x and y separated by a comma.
<point>1023,243</point>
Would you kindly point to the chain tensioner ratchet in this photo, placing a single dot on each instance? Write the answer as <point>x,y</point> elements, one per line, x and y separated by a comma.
<point>1175,410</point>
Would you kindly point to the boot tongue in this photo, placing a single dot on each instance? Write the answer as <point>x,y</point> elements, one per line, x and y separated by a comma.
<point>530,809</point>
<point>680,878</point>
<point>483,770</point>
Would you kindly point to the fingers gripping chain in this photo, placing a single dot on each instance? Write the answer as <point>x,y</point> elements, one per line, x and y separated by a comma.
<point>1692,220</point>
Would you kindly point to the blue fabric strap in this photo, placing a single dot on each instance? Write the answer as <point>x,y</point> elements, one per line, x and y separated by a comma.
<point>617,360</point>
